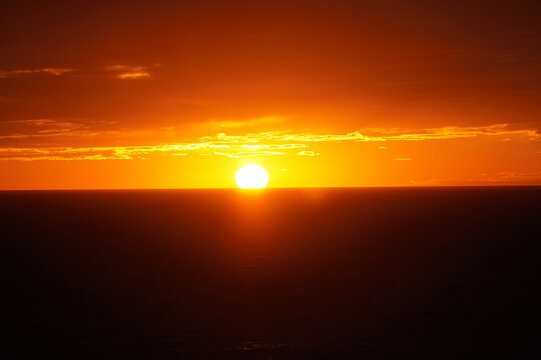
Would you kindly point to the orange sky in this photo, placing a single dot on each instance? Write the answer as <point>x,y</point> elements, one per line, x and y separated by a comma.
<point>119,94</point>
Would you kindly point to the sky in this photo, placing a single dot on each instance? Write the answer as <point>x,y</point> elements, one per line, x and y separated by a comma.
<point>180,94</point>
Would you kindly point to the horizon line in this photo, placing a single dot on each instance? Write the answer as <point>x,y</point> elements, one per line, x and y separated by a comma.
<point>282,188</point>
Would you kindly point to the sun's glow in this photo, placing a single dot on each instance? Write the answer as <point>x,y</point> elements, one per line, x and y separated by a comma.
<point>252,177</point>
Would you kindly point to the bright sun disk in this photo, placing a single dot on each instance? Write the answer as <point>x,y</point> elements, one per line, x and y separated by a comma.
<point>252,177</point>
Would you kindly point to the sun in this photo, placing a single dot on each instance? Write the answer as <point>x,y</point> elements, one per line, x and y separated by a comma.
<point>252,177</point>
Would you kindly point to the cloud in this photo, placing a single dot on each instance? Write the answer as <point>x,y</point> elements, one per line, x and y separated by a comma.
<point>450,132</point>
<point>233,146</point>
<point>43,128</point>
<point>132,72</point>
<point>243,154</point>
<point>128,152</point>
<point>307,153</point>
<point>515,176</point>
<point>272,146</point>
<point>379,135</point>
<point>502,177</point>
<point>97,153</point>
<point>128,72</point>
<point>50,71</point>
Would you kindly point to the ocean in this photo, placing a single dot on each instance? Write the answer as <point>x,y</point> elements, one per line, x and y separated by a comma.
<point>364,273</point>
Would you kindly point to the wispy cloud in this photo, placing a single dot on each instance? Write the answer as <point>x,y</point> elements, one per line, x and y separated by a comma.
<point>307,153</point>
<point>243,154</point>
<point>501,177</point>
<point>514,176</point>
<point>233,146</point>
<point>131,152</point>
<point>100,152</point>
<point>43,128</point>
<point>379,135</point>
<point>50,71</point>
<point>129,72</point>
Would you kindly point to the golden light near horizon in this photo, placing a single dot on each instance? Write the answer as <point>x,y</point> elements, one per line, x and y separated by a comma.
<point>252,177</point>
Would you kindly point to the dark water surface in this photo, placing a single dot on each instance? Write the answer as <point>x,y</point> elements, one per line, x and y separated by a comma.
<point>417,273</point>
